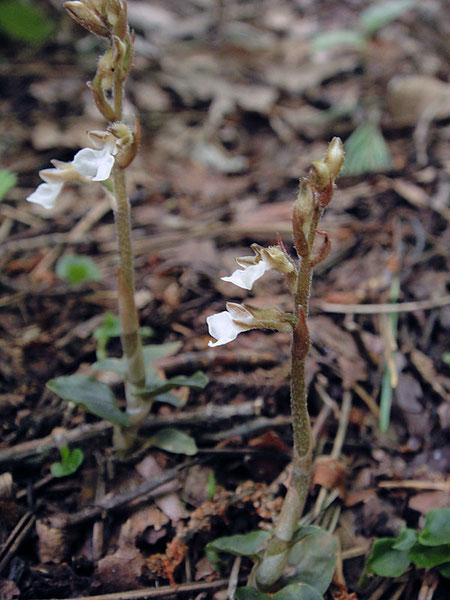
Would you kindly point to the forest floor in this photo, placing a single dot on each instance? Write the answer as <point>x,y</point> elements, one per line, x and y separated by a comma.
<point>234,106</point>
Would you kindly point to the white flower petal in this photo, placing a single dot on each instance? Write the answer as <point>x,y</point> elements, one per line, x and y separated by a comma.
<point>222,327</point>
<point>94,164</point>
<point>46,194</point>
<point>245,278</point>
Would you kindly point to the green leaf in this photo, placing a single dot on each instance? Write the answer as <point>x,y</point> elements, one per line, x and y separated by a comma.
<point>23,21</point>
<point>247,544</point>
<point>116,365</point>
<point>384,560</point>
<point>76,269</point>
<point>298,591</point>
<point>405,539</point>
<point>341,37</point>
<point>429,556</point>
<point>175,441</point>
<point>7,181</point>
<point>168,398</point>
<point>378,15</point>
<point>155,387</point>
<point>249,593</point>
<point>314,559</point>
<point>444,570</point>
<point>70,462</point>
<point>154,351</point>
<point>437,527</point>
<point>366,151</point>
<point>92,395</point>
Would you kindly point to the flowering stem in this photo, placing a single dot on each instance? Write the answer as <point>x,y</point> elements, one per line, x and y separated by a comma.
<point>277,552</point>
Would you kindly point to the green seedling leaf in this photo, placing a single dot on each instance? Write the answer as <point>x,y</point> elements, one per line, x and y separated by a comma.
<point>111,328</point>
<point>314,559</point>
<point>342,37</point>
<point>378,15</point>
<point>21,20</point>
<point>7,181</point>
<point>154,351</point>
<point>155,387</point>
<point>429,556</point>
<point>444,570</point>
<point>76,269</point>
<point>92,395</point>
<point>247,544</point>
<point>366,151</point>
<point>175,441</point>
<point>298,591</point>
<point>405,539</point>
<point>249,593</point>
<point>69,463</point>
<point>384,560</point>
<point>437,527</point>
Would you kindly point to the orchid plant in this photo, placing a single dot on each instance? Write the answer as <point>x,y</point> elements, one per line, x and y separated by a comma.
<point>114,150</point>
<point>316,192</point>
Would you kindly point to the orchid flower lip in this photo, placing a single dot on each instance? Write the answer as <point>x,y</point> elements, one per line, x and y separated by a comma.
<point>222,327</point>
<point>46,193</point>
<point>245,278</point>
<point>94,164</point>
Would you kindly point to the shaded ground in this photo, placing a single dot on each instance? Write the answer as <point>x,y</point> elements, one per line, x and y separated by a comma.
<point>234,107</point>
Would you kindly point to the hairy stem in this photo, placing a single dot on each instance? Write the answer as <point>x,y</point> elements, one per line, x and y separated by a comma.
<point>271,567</point>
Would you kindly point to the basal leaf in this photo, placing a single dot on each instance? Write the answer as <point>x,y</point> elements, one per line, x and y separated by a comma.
<point>168,398</point>
<point>444,570</point>
<point>380,14</point>
<point>366,151</point>
<point>298,591</point>
<point>429,556</point>
<point>7,181</point>
<point>314,559</point>
<point>405,539</point>
<point>154,351</point>
<point>340,37</point>
<point>437,527</point>
<point>23,21</point>
<point>384,560</point>
<point>92,395</point>
<point>116,365</point>
<point>246,544</point>
<point>76,269</point>
<point>175,441</point>
<point>249,593</point>
<point>154,387</point>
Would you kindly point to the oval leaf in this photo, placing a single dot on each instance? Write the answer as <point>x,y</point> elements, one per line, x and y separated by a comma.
<point>384,560</point>
<point>25,22</point>
<point>437,527</point>
<point>70,462</point>
<point>247,544</point>
<point>405,539</point>
<point>249,593</point>
<point>380,14</point>
<point>174,440</point>
<point>429,556</point>
<point>314,559</point>
<point>77,269</point>
<point>298,591</point>
<point>93,396</point>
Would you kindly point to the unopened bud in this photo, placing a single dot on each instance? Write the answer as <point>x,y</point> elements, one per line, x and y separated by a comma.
<point>85,15</point>
<point>105,71</point>
<point>127,142</point>
<point>116,15</point>
<point>255,317</point>
<point>335,156</point>
<point>319,175</point>
<point>302,217</point>
<point>278,260</point>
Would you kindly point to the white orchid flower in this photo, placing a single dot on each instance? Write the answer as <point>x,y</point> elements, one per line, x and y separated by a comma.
<point>87,164</point>
<point>46,193</point>
<point>245,278</point>
<point>223,326</point>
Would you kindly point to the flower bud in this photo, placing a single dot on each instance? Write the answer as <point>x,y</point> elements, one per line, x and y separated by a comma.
<point>84,14</point>
<point>116,15</point>
<point>104,76</point>
<point>335,156</point>
<point>302,217</point>
<point>319,175</point>
<point>268,317</point>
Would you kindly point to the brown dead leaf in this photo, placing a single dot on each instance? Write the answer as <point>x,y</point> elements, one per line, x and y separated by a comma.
<point>164,565</point>
<point>410,97</point>
<point>145,518</point>
<point>269,439</point>
<point>120,571</point>
<point>425,501</point>
<point>331,474</point>
<point>53,544</point>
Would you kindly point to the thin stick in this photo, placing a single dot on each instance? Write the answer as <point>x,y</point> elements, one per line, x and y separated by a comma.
<point>379,309</point>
